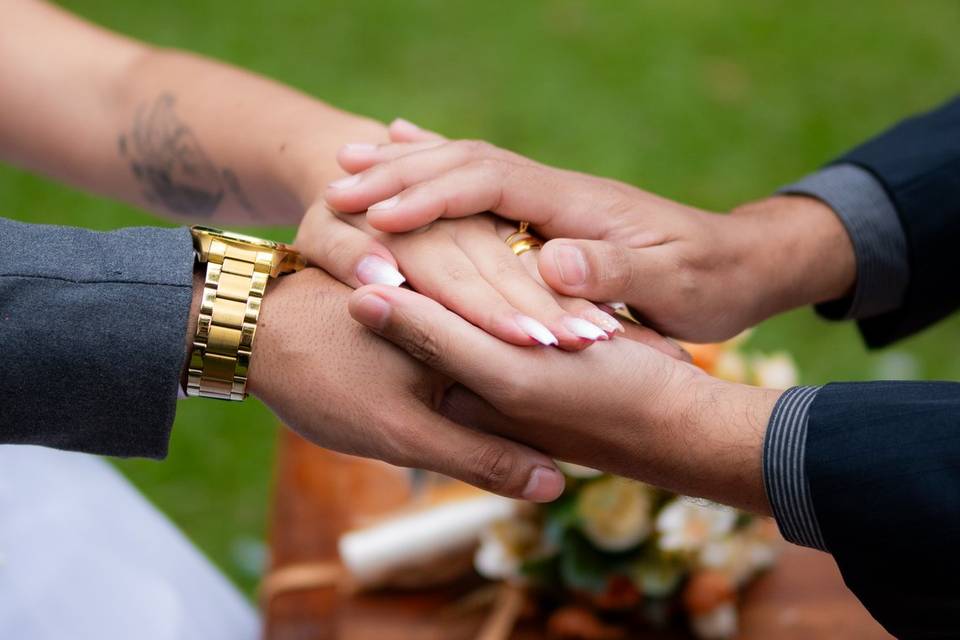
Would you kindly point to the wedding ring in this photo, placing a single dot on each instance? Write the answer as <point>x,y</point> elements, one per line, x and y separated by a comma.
<point>520,241</point>
<point>525,243</point>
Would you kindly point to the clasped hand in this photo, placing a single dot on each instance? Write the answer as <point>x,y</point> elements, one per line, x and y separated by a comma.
<point>475,396</point>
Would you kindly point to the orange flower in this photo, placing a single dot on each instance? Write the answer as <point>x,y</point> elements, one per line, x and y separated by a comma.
<point>706,590</point>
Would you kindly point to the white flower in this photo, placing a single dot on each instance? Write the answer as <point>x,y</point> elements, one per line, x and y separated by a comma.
<point>741,555</point>
<point>763,543</point>
<point>615,512</point>
<point>731,366</point>
<point>685,525</point>
<point>777,371</point>
<point>493,560</point>
<point>717,624</point>
<point>503,547</point>
<point>577,471</point>
<point>730,556</point>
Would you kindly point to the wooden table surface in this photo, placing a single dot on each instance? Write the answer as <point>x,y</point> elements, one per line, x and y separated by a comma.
<point>317,496</point>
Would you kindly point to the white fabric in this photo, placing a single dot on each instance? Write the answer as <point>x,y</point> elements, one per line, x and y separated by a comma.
<point>84,556</point>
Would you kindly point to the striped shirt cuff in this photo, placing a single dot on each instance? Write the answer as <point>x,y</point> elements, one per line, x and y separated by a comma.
<point>879,243</point>
<point>784,474</point>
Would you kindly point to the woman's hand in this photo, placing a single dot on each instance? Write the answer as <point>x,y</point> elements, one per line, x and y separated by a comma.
<point>688,273</point>
<point>467,267</point>
<point>619,406</point>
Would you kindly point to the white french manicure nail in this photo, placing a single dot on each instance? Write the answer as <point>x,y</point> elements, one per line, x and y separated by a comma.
<point>403,122</point>
<point>343,183</point>
<point>536,331</point>
<point>583,329</point>
<point>389,203</point>
<point>376,270</point>
<point>604,320</point>
<point>360,147</point>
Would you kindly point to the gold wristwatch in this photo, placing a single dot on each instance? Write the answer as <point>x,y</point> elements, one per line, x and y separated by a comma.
<point>238,268</point>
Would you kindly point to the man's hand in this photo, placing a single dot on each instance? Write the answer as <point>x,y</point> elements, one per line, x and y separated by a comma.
<point>343,388</point>
<point>688,273</point>
<point>619,406</point>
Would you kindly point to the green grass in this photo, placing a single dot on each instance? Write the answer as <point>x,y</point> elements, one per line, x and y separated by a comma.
<point>710,103</point>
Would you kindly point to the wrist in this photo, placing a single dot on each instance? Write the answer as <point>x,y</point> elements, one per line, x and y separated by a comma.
<point>797,252</point>
<point>721,451</point>
<point>274,309</point>
<point>307,161</point>
<point>279,340</point>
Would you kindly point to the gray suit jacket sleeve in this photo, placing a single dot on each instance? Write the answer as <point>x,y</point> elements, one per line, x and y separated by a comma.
<point>92,330</point>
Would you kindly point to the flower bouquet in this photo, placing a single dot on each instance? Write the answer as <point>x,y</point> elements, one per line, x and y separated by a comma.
<point>610,555</point>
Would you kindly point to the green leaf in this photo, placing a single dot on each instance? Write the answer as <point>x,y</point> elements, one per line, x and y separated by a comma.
<point>581,566</point>
<point>544,571</point>
<point>559,517</point>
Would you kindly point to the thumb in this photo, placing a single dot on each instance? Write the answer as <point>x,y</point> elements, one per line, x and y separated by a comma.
<point>348,254</point>
<point>596,269</point>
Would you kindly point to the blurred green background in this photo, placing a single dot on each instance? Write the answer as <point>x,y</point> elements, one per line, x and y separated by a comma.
<point>709,103</point>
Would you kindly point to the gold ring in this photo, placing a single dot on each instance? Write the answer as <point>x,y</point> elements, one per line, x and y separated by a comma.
<point>525,243</point>
<point>520,241</point>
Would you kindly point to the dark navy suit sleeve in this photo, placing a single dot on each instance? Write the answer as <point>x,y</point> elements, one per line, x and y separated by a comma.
<point>92,330</point>
<point>918,163</point>
<point>883,466</point>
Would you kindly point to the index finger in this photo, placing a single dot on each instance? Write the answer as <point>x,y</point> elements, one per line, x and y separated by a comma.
<point>406,187</point>
<point>439,338</point>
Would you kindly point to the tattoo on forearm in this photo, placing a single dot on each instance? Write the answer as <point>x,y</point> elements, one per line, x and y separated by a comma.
<point>171,166</point>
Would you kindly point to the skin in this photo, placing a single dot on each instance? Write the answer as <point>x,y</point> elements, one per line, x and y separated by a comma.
<point>374,401</point>
<point>159,128</point>
<point>689,273</point>
<point>340,387</point>
<point>621,406</point>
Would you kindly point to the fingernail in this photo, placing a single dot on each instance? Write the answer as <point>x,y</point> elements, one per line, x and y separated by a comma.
<point>344,183</point>
<point>604,320</point>
<point>684,354</point>
<point>536,331</point>
<point>372,310</point>
<point>583,329</point>
<point>544,485</point>
<point>360,147</point>
<point>376,270</point>
<point>406,124</point>
<point>571,264</point>
<point>389,203</point>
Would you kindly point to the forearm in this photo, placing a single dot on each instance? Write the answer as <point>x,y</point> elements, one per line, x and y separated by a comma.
<point>706,441</point>
<point>176,133</point>
<point>795,251</point>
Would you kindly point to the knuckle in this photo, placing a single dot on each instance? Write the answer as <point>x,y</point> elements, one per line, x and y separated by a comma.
<point>518,391</point>
<point>615,269</point>
<point>488,165</point>
<point>493,466</point>
<point>460,274</point>
<point>423,345</point>
<point>401,446</point>
<point>394,174</point>
<point>507,268</point>
<point>616,200</point>
<point>328,254</point>
<point>475,148</point>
